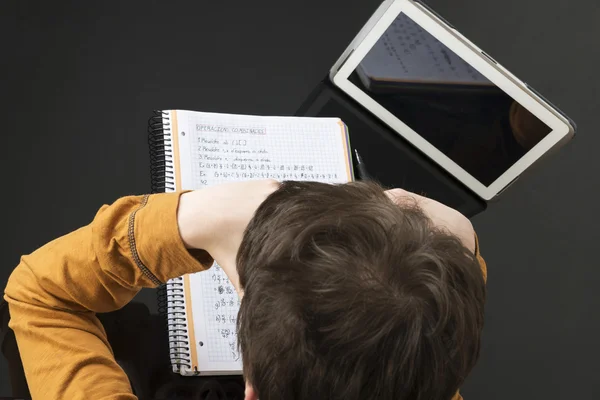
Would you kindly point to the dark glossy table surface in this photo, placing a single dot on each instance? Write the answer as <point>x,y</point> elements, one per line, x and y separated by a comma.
<point>80,79</point>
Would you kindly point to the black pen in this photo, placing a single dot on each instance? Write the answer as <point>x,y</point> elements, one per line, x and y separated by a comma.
<point>362,168</point>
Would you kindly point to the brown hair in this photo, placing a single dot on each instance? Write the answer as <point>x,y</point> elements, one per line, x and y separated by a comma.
<point>350,296</point>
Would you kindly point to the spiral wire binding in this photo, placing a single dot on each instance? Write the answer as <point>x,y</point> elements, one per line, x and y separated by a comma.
<point>170,296</point>
<point>162,168</point>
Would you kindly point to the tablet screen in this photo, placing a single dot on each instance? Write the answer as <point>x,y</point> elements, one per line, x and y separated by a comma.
<point>446,101</point>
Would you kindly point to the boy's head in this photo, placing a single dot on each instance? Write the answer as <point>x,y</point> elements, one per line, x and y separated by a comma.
<point>350,296</point>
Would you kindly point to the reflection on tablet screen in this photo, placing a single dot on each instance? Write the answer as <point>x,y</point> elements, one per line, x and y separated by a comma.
<point>446,101</point>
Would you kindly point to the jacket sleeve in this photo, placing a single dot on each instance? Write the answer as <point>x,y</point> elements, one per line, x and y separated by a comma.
<point>54,293</point>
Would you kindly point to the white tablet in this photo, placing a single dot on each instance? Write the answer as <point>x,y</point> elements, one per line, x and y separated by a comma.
<point>448,98</point>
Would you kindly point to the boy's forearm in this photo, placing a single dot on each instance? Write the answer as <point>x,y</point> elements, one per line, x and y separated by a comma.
<point>215,218</point>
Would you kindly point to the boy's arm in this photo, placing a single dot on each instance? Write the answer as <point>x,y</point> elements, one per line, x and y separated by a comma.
<point>55,292</point>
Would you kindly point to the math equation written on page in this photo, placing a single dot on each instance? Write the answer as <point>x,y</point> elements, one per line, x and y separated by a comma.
<point>223,158</point>
<point>221,306</point>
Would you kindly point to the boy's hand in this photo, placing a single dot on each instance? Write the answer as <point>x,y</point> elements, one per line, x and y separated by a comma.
<point>215,218</point>
<point>441,215</point>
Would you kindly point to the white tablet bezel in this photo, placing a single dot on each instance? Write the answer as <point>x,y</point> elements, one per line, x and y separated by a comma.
<point>376,27</point>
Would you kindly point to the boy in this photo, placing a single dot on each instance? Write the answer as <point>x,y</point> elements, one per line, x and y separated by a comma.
<point>348,292</point>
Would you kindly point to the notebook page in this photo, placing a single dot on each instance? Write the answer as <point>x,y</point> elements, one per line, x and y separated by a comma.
<point>215,306</point>
<point>217,148</point>
<point>408,53</point>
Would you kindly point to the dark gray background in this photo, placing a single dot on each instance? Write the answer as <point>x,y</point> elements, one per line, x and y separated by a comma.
<point>79,81</point>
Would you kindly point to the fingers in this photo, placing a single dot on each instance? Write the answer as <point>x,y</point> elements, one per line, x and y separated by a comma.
<point>396,193</point>
<point>401,196</point>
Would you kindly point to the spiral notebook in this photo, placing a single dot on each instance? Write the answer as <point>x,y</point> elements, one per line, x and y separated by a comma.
<point>191,150</point>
